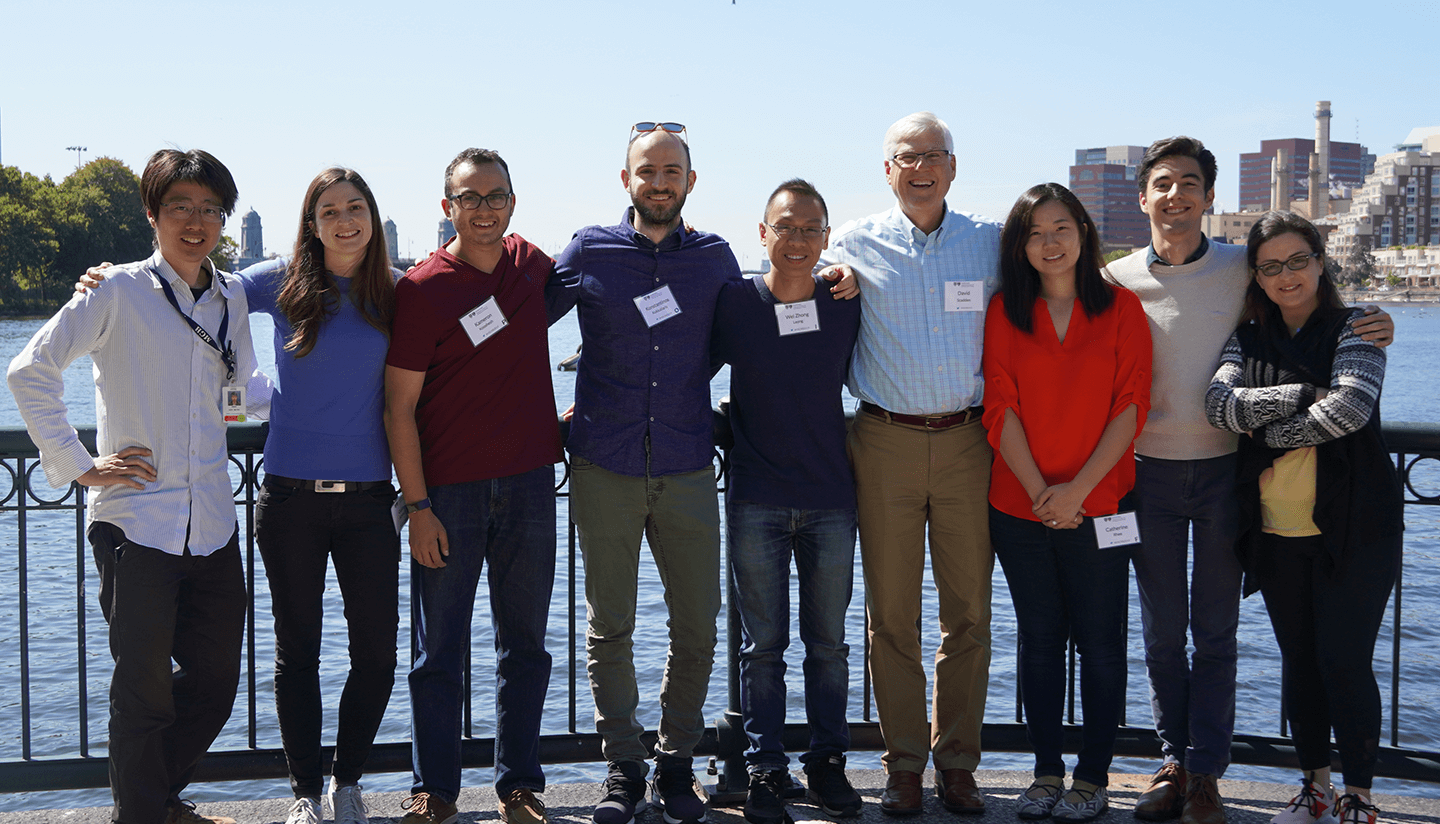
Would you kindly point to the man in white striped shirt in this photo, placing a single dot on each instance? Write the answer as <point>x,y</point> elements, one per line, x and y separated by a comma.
<point>170,340</point>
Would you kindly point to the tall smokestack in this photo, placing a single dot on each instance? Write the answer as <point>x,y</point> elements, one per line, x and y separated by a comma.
<point>1280,180</point>
<point>1320,198</point>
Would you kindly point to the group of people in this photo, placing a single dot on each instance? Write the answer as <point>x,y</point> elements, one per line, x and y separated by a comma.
<point>1064,442</point>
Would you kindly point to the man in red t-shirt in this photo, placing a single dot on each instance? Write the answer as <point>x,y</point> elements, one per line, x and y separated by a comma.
<point>469,410</point>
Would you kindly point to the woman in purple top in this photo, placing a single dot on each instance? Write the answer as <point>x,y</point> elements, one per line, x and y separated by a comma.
<point>327,491</point>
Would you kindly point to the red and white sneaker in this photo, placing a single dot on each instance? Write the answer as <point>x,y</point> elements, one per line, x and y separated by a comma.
<point>1352,809</point>
<point>1312,806</point>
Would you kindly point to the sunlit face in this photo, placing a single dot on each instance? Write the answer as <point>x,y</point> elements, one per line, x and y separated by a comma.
<point>921,189</point>
<point>186,241</point>
<point>1054,242</point>
<point>483,226</point>
<point>1175,196</point>
<point>342,219</point>
<point>1297,293</point>
<point>658,177</point>
<point>794,255</point>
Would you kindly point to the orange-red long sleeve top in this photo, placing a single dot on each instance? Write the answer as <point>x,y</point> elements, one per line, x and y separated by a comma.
<point>1065,394</point>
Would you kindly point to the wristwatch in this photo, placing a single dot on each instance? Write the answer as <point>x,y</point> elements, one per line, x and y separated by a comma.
<point>423,503</point>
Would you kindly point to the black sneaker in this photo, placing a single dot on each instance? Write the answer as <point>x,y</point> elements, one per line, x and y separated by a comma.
<point>829,789</point>
<point>624,790</point>
<point>765,803</point>
<point>676,793</point>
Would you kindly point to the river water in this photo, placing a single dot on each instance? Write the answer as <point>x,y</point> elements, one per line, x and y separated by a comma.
<point>1410,395</point>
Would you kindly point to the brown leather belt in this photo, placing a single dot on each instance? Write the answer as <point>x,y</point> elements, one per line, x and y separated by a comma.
<point>960,418</point>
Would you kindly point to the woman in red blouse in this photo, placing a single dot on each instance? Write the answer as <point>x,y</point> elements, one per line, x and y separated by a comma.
<point>1067,386</point>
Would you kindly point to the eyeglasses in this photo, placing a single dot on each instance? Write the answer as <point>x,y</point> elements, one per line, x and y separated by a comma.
<point>1272,268</point>
<point>807,232</point>
<point>470,201</point>
<point>182,211</point>
<point>650,126</point>
<point>913,160</point>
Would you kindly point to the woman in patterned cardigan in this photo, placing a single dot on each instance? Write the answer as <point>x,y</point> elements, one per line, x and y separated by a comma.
<point>1321,504</point>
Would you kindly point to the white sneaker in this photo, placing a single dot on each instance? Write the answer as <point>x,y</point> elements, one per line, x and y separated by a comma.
<point>1312,806</point>
<point>304,811</point>
<point>347,806</point>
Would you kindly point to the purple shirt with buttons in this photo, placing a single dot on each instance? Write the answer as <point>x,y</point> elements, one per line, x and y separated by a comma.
<point>642,389</point>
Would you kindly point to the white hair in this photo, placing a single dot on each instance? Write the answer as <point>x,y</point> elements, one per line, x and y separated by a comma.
<point>914,124</point>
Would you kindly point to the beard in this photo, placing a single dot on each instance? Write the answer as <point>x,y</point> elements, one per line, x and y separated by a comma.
<point>659,216</point>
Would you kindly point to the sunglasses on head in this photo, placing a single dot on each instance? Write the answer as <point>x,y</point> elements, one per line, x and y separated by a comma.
<point>646,126</point>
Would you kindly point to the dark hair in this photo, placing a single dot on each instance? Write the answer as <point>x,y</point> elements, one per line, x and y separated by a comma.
<point>1258,305</point>
<point>1177,147</point>
<point>798,188</point>
<point>1020,283</point>
<point>170,166</point>
<point>307,296</point>
<point>683,142</point>
<point>476,157</point>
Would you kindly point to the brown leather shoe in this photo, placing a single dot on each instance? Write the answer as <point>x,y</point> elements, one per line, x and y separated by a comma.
<point>958,792</point>
<point>1166,796</point>
<point>902,793</point>
<point>1202,801</point>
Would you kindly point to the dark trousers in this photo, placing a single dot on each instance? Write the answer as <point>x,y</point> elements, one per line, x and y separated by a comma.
<point>1326,623</point>
<point>163,607</point>
<point>297,530</point>
<point>1064,586</point>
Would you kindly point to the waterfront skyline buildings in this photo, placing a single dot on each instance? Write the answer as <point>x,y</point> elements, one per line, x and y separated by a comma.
<point>1103,179</point>
<point>252,240</point>
<point>1349,163</point>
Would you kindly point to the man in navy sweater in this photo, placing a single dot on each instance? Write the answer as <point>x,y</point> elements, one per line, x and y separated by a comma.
<point>791,492</point>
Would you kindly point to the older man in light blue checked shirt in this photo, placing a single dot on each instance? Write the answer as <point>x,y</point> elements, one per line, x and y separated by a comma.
<point>921,460</point>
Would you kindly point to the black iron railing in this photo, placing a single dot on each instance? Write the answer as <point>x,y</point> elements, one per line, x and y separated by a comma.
<point>21,770</point>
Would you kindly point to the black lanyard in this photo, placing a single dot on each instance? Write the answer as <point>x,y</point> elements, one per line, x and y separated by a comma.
<point>227,354</point>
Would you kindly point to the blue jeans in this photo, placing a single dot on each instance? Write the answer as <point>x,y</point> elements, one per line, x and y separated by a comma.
<point>1193,700</point>
<point>760,541</point>
<point>509,525</point>
<point>1063,585</point>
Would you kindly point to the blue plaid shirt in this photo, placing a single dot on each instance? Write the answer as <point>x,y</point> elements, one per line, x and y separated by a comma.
<point>913,357</point>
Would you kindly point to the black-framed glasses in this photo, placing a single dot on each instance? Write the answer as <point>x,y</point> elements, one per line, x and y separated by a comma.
<point>913,160</point>
<point>1294,263</point>
<point>645,126</point>
<point>470,201</point>
<point>182,211</point>
<point>807,232</point>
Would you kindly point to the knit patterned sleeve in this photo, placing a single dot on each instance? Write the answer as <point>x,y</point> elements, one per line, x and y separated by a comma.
<point>1231,404</point>
<point>1356,375</point>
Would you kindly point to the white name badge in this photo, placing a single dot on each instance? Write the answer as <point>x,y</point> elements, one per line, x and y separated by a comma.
<point>964,296</point>
<point>795,318</point>
<point>483,321</point>
<point>232,402</point>
<point>657,306</point>
<point>1121,529</point>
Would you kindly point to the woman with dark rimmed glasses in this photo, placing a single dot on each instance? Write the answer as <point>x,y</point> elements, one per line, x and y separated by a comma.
<point>1320,504</point>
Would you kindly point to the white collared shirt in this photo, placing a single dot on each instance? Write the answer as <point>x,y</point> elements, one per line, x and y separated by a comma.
<point>157,385</point>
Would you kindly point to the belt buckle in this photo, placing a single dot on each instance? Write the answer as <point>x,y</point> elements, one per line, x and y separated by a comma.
<point>330,486</point>
<point>936,421</point>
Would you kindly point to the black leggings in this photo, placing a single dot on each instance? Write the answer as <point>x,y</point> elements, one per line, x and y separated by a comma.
<point>1326,624</point>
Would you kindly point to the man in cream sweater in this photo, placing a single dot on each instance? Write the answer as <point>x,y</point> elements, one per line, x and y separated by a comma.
<point>1193,291</point>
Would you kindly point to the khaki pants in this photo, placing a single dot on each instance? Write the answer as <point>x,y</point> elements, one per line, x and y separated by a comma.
<point>908,477</point>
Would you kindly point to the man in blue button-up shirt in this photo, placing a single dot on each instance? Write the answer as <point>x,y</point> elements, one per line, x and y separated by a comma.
<point>640,449</point>
<point>921,459</point>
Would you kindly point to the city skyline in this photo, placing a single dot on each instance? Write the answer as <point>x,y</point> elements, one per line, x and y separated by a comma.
<point>766,92</point>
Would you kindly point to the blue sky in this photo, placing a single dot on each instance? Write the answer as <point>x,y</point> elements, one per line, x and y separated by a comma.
<point>769,90</point>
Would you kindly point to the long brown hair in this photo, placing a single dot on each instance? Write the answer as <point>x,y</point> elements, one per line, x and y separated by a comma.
<point>307,295</point>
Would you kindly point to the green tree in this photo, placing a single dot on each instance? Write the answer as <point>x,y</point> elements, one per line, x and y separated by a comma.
<point>225,254</point>
<point>28,242</point>
<point>100,217</point>
<point>1361,266</point>
<point>1111,257</point>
